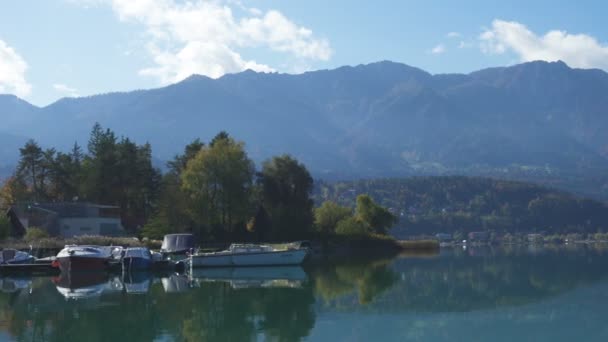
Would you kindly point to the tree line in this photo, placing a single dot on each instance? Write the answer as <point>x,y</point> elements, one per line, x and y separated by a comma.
<point>211,189</point>
<point>456,204</point>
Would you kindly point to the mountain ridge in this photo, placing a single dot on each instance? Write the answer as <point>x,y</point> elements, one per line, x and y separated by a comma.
<point>369,120</point>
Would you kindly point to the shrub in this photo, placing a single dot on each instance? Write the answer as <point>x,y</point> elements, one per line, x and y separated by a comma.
<point>35,233</point>
<point>350,226</point>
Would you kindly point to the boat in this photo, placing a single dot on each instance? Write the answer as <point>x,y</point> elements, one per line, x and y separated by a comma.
<point>250,255</point>
<point>87,258</point>
<point>12,256</point>
<point>177,244</point>
<point>139,258</point>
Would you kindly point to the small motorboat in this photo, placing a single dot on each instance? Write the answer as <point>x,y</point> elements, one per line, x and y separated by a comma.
<point>177,244</point>
<point>87,258</point>
<point>13,256</point>
<point>139,258</point>
<point>251,255</point>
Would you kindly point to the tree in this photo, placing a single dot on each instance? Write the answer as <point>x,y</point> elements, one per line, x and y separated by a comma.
<point>378,218</point>
<point>286,186</point>
<point>352,227</point>
<point>13,191</point>
<point>179,162</point>
<point>219,181</point>
<point>259,224</point>
<point>31,168</point>
<point>328,215</point>
<point>101,183</point>
<point>64,177</point>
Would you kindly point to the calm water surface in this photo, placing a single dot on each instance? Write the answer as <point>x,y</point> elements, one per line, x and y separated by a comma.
<point>480,294</point>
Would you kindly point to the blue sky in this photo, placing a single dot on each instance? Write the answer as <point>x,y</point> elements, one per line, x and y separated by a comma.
<point>55,48</point>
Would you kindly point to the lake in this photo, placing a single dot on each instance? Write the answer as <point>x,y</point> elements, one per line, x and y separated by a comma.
<point>517,293</point>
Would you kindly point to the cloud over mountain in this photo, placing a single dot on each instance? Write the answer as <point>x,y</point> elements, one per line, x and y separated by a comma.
<point>12,72</point>
<point>578,50</point>
<point>205,37</point>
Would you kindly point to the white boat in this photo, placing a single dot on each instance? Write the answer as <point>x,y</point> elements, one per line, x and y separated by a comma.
<point>250,255</point>
<point>87,258</point>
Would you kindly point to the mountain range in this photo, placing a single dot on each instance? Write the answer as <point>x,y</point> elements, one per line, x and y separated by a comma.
<point>383,119</point>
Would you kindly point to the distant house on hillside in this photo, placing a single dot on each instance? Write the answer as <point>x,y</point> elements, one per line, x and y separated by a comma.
<point>443,236</point>
<point>479,236</point>
<point>535,238</point>
<point>71,219</point>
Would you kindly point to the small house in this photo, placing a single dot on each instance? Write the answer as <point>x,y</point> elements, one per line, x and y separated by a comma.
<point>479,236</point>
<point>535,238</point>
<point>71,219</point>
<point>443,236</point>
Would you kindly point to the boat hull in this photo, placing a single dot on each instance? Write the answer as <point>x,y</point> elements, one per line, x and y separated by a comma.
<point>79,264</point>
<point>210,261</point>
<point>271,258</point>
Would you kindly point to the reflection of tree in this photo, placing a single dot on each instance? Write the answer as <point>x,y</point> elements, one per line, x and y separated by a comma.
<point>367,279</point>
<point>471,283</point>
<point>211,312</point>
<point>222,313</point>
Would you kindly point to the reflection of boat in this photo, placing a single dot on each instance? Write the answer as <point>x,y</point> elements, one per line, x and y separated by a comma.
<point>175,283</point>
<point>87,258</point>
<point>13,256</point>
<point>136,282</point>
<point>10,285</point>
<point>86,285</point>
<point>250,255</point>
<point>240,277</point>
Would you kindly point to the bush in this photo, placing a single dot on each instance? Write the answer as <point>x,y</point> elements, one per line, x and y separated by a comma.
<point>350,226</point>
<point>35,233</point>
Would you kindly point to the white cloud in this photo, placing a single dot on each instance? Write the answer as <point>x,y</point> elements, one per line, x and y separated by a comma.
<point>577,50</point>
<point>12,72</point>
<point>453,35</point>
<point>64,89</point>
<point>204,36</point>
<point>438,49</point>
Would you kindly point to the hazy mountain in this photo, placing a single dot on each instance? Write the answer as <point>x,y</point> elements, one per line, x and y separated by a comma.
<point>381,119</point>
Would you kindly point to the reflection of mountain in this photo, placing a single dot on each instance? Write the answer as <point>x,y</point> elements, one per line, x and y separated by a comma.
<point>577,315</point>
<point>481,278</point>
<point>245,277</point>
<point>464,295</point>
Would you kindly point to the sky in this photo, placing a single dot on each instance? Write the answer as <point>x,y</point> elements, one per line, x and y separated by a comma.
<point>67,48</point>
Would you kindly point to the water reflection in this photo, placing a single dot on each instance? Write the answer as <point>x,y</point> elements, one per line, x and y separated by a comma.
<point>251,277</point>
<point>426,297</point>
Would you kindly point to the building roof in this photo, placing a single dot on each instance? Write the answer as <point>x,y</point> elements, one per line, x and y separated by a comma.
<point>68,209</point>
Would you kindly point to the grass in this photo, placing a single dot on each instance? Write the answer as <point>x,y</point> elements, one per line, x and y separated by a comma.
<point>418,244</point>
<point>58,243</point>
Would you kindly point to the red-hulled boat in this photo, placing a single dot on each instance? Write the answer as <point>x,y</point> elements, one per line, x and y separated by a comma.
<point>86,258</point>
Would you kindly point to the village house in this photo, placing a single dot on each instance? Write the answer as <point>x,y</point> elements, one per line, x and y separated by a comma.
<point>71,219</point>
